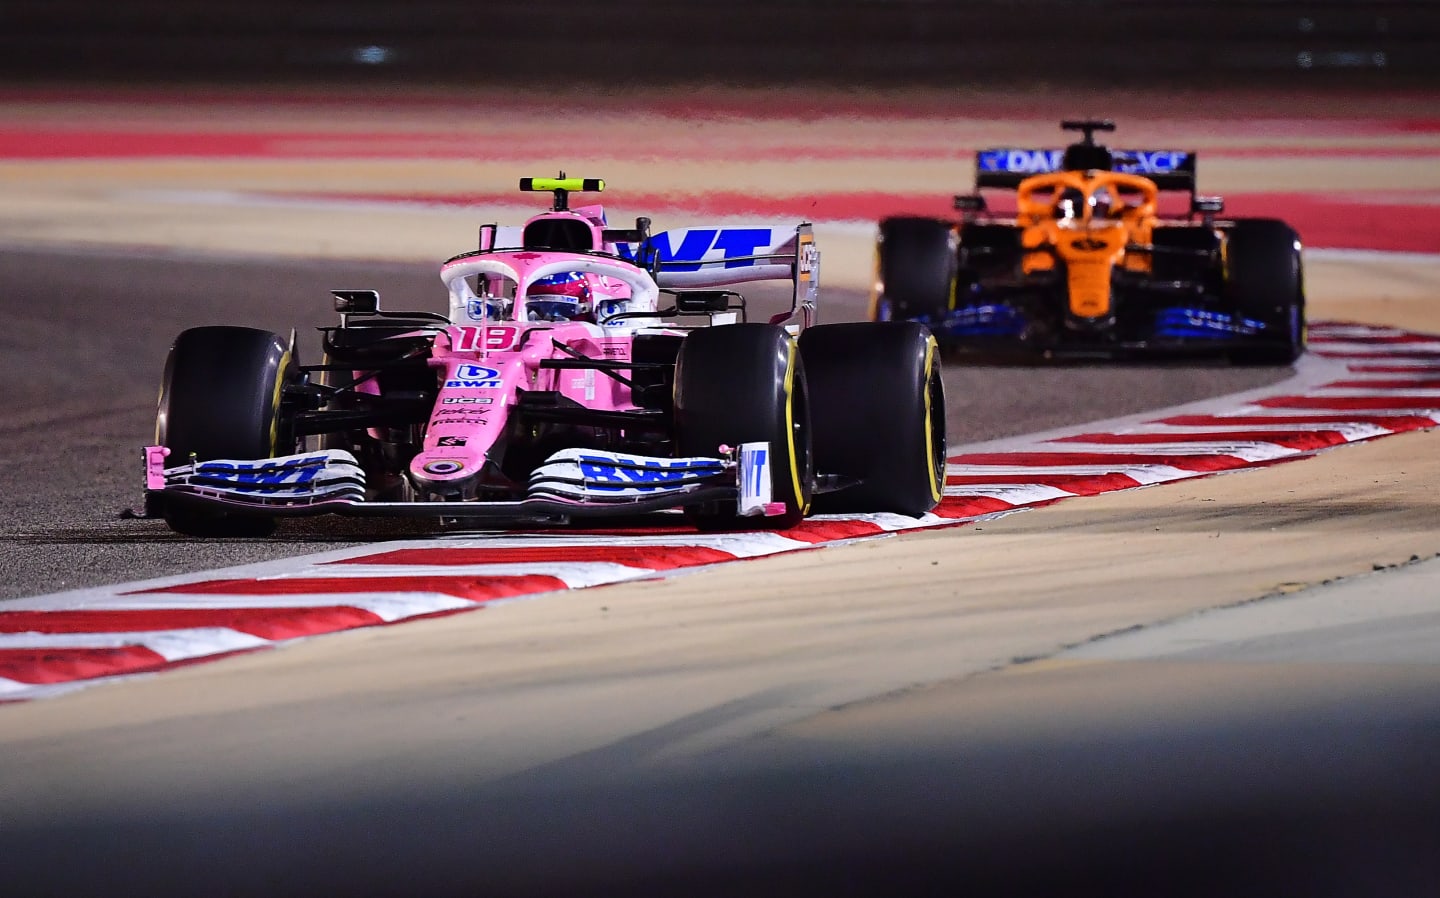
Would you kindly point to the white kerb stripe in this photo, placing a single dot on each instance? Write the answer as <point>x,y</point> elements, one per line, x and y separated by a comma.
<point>1350,430</point>
<point>1365,393</point>
<point>741,545</point>
<point>1014,493</point>
<point>172,645</point>
<point>1138,473</point>
<point>1287,410</point>
<point>574,574</point>
<point>386,606</point>
<point>1245,451</point>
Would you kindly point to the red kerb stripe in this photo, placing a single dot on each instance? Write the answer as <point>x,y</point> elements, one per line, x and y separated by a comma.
<point>1199,463</point>
<point>476,589</point>
<point>1389,369</point>
<point>814,531</point>
<point>1079,484</point>
<point>970,506</point>
<point>1351,402</point>
<point>1290,439</point>
<point>266,623</point>
<point>1320,342</point>
<point>658,558</point>
<point>1391,422</point>
<point>40,666</point>
<point>1398,383</point>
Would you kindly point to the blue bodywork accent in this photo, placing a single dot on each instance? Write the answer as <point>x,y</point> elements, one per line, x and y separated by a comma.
<point>984,320</point>
<point>1182,323</point>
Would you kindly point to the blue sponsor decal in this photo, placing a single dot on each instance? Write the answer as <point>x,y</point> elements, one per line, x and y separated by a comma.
<point>1181,323</point>
<point>604,473</point>
<point>1020,161</point>
<point>755,462</point>
<point>733,244</point>
<point>473,377</point>
<point>1149,162</point>
<point>1017,161</point>
<point>985,320</point>
<point>262,474</point>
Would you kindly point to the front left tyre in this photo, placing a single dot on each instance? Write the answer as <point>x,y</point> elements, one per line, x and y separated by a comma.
<point>743,383</point>
<point>877,412</point>
<point>1264,281</point>
<point>221,397</point>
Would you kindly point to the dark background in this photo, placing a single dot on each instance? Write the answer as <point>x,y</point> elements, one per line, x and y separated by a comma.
<point>1356,43</point>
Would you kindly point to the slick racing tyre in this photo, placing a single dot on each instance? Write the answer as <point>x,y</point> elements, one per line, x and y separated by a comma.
<point>743,383</point>
<point>1264,281</point>
<point>915,258</point>
<point>220,398</point>
<point>877,415</point>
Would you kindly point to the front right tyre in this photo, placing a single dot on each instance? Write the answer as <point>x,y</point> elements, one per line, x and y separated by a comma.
<point>916,268</point>
<point>743,383</point>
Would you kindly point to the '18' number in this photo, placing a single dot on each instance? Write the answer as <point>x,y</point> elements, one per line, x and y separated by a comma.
<point>487,338</point>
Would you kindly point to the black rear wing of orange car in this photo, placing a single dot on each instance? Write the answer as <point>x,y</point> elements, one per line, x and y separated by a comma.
<point>1006,167</point>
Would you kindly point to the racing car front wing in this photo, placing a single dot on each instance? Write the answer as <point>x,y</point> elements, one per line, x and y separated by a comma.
<point>572,483</point>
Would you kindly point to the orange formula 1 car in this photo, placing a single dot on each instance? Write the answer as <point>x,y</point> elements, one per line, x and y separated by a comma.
<point>1087,264</point>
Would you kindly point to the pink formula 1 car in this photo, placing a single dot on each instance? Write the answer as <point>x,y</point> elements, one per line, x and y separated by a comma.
<point>579,371</point>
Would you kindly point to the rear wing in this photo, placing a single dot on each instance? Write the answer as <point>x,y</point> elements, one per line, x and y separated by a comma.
<point>1006,167</point>
<point>719,257</point>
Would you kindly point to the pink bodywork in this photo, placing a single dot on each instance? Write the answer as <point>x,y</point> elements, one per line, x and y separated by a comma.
<point>484,360</point>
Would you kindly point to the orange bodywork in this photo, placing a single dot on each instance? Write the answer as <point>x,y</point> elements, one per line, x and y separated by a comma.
<point>1091,245</point>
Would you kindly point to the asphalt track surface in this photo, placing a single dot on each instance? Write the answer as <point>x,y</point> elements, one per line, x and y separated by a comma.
<point>85,343</point>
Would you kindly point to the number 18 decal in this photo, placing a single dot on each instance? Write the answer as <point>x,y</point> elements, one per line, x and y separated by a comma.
<point>487,338</point>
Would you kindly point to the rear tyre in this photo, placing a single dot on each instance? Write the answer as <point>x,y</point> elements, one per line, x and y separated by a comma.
<point>1264,281</point>
<point>742,383</point>
<point>220,398</point>
<point>877,413</point>
<point>916,268</point>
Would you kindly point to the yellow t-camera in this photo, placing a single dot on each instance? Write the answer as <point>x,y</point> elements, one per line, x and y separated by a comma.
<point>580,185</point>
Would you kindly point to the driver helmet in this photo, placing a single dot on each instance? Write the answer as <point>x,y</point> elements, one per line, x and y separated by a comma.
<point>560,297</point>
<point>1070,204</point>
<point>1101,203</point>
<point>607,309</point>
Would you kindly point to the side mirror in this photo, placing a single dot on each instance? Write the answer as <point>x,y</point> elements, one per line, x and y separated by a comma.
<point>356,302</point>
<point>1207,205</point>
<point>640,234</point>
<point>703,302</point>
